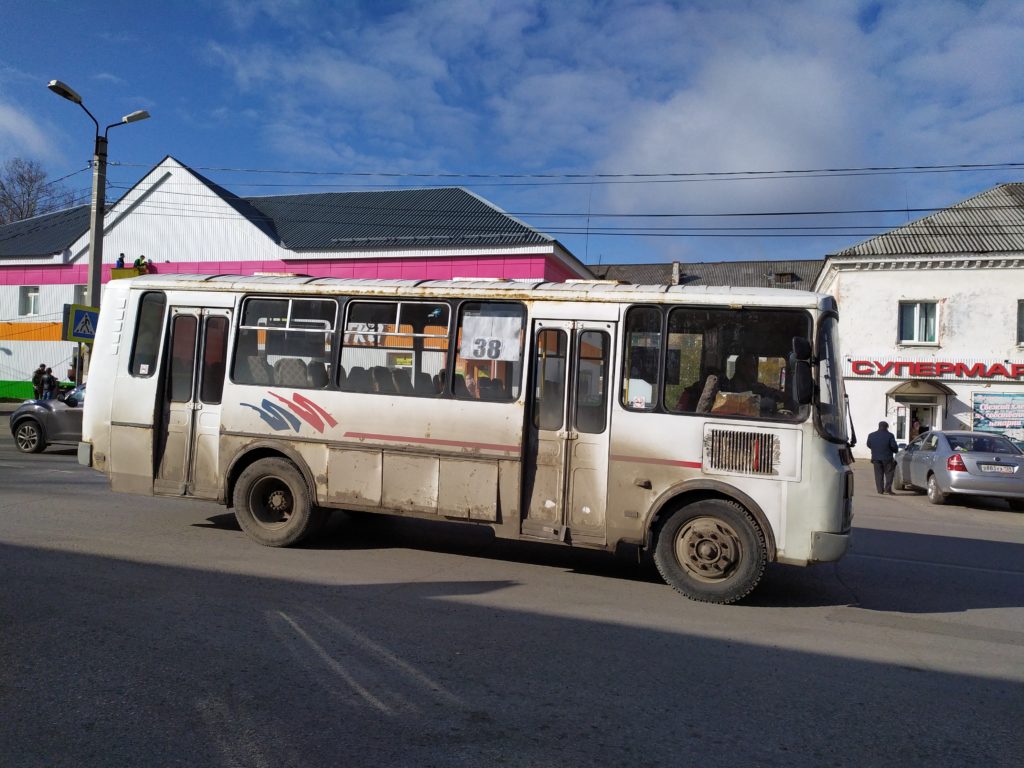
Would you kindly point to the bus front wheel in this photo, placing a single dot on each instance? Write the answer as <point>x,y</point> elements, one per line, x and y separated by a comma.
<point>711,551</point>
<point>272,503</point>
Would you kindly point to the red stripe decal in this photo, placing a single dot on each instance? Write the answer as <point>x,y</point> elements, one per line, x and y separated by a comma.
<point>664,462</point>
<point>434,441</point>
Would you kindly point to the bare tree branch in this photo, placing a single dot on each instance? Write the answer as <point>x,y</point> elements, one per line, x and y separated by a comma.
<point>24,191</point>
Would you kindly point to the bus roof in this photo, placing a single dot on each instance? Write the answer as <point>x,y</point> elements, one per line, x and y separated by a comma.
<point>498,288</point>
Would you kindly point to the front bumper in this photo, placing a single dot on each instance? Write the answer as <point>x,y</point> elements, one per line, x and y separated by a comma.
<point>828,547</point>
<point>85,454</point>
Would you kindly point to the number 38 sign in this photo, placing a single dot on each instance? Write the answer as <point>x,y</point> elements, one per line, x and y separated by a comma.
<point>490,338</point>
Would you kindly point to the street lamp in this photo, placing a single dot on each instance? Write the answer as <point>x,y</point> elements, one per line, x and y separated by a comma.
<point>99,182</point>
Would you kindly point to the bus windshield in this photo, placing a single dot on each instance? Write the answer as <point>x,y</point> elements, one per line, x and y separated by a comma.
<point>832,393</point>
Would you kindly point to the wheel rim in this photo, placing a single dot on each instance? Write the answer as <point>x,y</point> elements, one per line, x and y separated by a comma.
<point>708,549</point>
<point>933,488</point>
<point>271,502</point>
<point>27,437</point>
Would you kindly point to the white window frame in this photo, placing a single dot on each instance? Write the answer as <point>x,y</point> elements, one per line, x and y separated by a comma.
<point>28,300</point>
<point>79,294</point>
<point>915,341</point>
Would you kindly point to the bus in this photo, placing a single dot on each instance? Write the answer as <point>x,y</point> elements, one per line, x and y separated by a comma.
<point>704,426</point>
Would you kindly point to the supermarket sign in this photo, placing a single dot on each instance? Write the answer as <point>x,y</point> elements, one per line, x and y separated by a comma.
<point>866,368</point>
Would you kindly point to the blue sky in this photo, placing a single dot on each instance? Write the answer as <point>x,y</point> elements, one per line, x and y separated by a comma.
<point>539,102</point>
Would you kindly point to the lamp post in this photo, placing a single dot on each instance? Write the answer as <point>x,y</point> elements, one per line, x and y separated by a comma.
<point>99,182</point>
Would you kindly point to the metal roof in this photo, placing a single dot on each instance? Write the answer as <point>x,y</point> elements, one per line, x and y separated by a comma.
<point>44,235</point>
<point>799,274</point>
<point>407,218</point>
<point>531,290</point>
<point>241,206</point>
<point>992,222</point>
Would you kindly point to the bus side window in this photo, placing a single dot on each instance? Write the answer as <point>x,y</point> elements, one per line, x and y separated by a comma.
<point>489,355</point>
<point>642,358</point>
<point>147,334</point>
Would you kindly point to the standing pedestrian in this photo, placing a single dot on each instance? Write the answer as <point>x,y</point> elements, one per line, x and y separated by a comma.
<point>883,450</point>
<point>50,385</point>
<point>37,381</point>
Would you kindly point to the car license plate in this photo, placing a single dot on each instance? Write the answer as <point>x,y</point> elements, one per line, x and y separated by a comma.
<point>998,468</point>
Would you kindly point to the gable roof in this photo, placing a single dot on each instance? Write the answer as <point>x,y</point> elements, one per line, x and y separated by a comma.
<point>404,218</point>
<point>44,235</point>
<point>240,205</point>
<point>799,274</point>
<point>991,222</point>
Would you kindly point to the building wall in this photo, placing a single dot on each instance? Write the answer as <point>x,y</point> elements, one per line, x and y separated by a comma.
<point>977,310</point>
<point>27,341</point>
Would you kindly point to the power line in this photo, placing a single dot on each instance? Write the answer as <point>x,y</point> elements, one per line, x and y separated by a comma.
<point>879,169</point>
<point>314,204</point>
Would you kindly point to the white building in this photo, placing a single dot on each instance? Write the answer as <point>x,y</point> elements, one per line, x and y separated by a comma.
<point>932,320</point>
<point>184,223</point>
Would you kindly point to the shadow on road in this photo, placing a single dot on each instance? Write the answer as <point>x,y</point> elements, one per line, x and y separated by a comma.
<point>117,662</point>
<point>885,571</point>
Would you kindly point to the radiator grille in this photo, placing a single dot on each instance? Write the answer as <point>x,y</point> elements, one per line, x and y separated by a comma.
<point>755,453</point>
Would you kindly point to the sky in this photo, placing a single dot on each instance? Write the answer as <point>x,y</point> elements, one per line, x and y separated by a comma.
<point>626,130</point>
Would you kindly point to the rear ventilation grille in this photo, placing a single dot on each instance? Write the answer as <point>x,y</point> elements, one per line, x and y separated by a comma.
<point>755,453</point>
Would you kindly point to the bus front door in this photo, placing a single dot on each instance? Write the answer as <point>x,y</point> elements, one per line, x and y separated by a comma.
<point>187,455</point>
<point>566,467</point>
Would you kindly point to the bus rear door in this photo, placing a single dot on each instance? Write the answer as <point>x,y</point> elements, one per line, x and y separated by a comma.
<point>188,426</point>
<point>566,465</point>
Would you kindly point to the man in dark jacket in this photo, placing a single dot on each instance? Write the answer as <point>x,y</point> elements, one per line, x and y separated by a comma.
<point>883,449</point>
<point>37,381</point>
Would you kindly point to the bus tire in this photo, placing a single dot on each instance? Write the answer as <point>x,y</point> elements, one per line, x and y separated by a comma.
<point>711,551</point>
<point>272,503</point>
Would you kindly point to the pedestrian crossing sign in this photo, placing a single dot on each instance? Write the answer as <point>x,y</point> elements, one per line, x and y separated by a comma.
<point>80,323</point>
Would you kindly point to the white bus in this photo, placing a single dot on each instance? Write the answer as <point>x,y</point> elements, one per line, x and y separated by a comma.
<point>705,425</point>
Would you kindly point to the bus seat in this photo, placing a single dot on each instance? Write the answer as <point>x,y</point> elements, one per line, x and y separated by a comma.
<point>382,381</point>
<point>290,372</point>
<point>257,371</point>
<point>358,380</point>
<point>341,376</point>
<point>461,390</point>
<point>424,384</point>
<point>403,381</point>
<point>316,372</point>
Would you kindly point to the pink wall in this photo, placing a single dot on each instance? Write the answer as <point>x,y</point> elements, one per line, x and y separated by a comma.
<point>440,268</point>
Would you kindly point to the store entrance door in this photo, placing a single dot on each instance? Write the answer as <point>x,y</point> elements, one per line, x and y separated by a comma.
<point>913,418</point>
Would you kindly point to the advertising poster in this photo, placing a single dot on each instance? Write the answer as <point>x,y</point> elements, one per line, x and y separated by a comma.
<point>999,412</point>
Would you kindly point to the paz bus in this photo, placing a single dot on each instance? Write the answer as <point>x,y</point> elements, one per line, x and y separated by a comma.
<point>706,426</point>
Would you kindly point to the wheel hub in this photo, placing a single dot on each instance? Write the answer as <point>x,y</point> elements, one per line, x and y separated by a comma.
<point>278,502</point>
<point>708,548</point>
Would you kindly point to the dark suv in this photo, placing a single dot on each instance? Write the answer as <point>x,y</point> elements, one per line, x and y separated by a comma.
<point>38,423</point>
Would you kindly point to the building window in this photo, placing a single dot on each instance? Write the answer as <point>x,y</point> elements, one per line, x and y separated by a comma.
<point>28,300</point>
<point>1020,323</point>
<point>918,322</point>
<point>80,291</point>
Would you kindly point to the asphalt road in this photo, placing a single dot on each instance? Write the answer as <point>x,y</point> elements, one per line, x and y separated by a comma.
<point>151,632</point>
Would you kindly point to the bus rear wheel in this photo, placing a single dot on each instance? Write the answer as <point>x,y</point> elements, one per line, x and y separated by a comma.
<point>711,551</point>
<point>273,505</point>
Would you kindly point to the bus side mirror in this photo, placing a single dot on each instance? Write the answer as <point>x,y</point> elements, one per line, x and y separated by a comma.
<point>800,365</point>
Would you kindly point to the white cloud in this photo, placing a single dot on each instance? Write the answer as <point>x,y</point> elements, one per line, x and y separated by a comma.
<point>20,135</point>
<point>629,87</point>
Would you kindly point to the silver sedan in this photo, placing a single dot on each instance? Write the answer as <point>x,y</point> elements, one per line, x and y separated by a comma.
<point>973,463</point>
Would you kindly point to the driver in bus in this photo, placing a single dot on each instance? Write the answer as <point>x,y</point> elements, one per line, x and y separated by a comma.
<point>745,379</point>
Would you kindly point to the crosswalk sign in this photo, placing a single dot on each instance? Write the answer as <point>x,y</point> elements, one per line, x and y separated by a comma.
<point>80,323</point>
